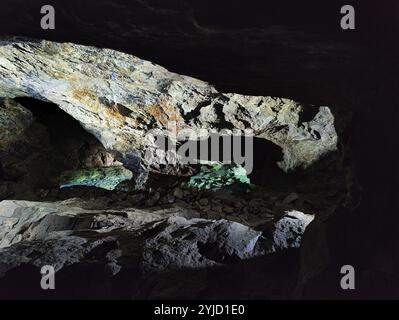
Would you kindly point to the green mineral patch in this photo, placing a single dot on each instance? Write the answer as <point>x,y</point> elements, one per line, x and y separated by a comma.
<point>215,175</point>
<point>105,177</point>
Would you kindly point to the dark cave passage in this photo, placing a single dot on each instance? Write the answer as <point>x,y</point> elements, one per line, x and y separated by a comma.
<point>75,147</point>
<point>54,143</point>
<point>61,127</point>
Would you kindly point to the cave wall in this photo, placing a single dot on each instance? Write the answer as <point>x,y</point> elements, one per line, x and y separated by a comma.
<point>124,100</point>
<point>261,50</point>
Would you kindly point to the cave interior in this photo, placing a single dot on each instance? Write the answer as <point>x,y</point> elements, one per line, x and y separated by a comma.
<point>269,49</point>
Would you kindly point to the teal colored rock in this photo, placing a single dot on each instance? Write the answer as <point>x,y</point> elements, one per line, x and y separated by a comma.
<point>215,175</point>
<point>105,178</point>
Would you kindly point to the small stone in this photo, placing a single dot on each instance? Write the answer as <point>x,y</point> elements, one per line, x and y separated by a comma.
<point>245,210</point>
<point>253,210</point>
<point>290,198</point>
<point>161,190</point>
<point>170,198</point>
<point>256,202</point>
<point>178,193</point>
<point>237,204</point>
<point>156,196</point>
<point>137,198</point>
<point>213,215</point>
<point>183,185</point>
<point>203,202</point>
<point>217,208</point>
<point>228,209</point>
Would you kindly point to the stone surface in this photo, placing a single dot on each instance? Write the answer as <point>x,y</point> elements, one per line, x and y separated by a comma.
<point>178,193</point>
<point>198,243</point>
<point>168,238</point>
<point>118,98</point>
<point>289,230</point>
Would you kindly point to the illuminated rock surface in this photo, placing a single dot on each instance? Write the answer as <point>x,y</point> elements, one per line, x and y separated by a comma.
<point>66,233</point>
<point>118,97</point>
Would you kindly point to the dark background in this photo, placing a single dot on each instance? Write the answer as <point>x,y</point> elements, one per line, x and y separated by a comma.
<point>293,49</point>
<point>255,47</point>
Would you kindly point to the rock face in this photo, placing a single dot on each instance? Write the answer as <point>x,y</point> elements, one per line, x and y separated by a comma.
<point>200,243</point>
<point>69,233</point>
<point>289,230</point>
<point>14,120</point>
<point>118,98</point>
